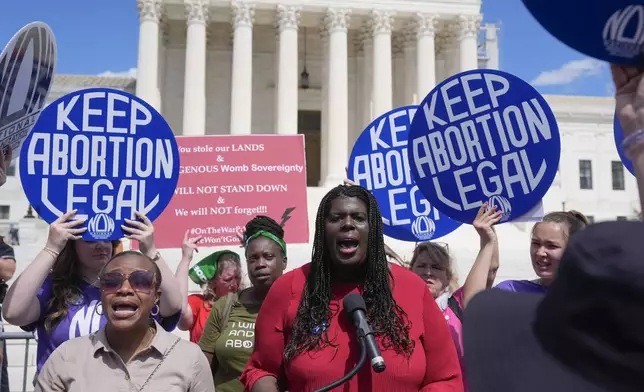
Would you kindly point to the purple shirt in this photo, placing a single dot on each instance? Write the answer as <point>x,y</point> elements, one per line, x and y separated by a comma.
<point>521,286</point>
<point>81,320</point>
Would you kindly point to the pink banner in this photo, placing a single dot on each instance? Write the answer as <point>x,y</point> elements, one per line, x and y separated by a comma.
<point>227,180</point>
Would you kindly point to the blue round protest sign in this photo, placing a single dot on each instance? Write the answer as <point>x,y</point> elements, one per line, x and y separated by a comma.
<point>379,163</point>
<point>104,153</point>
<point>27,69</point>
<point>484,136</point>
<point>609,30</point>
<point>619,138</point>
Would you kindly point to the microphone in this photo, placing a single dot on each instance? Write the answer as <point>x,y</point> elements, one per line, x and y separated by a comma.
<point>355,307</point>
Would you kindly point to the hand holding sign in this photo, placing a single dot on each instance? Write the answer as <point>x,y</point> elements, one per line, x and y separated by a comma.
<point>142,231</point>
<point>629,110</point>
<point>64,229</point>
<point>629,90</point>
<point>484,221</point>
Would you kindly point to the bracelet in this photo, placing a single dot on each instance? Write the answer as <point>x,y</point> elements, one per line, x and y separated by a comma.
<point>632,144</point>
<point>51,252</point>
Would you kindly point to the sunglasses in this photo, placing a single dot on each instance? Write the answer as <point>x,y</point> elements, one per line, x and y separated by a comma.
<point>140,281</point>
<point>443,245</point>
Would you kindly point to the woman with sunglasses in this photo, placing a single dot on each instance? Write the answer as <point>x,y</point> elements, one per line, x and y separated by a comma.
<point>57,294</point>
<point>132,351</point>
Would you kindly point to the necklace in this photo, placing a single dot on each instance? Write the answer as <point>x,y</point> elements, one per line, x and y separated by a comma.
<point>151,338</point>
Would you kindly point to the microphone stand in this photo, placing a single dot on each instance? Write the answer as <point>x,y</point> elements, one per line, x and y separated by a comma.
<point>347,377</point>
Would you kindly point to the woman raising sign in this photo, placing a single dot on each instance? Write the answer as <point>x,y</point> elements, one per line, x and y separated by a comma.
<point>303,339</point>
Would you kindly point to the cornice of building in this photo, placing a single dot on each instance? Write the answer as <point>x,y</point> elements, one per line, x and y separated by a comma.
<point>583,109</point>
<point>360,9</point>
<point>65,84</point>
<point>566,107</point>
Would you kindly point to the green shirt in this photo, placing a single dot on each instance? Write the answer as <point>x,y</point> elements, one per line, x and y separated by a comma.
<point>231,344</point>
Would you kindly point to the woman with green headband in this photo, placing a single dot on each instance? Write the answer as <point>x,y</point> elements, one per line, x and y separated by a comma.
<point>218,273</point>
<point>229,336</point>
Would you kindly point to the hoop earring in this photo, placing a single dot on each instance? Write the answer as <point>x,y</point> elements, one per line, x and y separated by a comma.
<point>153,313</point>
<point>96,309</point>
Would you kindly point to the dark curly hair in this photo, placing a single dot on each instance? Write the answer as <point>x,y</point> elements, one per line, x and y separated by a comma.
<point>389,321</point>
<point>263,223</point>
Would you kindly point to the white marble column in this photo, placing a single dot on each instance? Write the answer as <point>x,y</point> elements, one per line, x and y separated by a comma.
<point>468,51</point>
<point>492,46</point>
<point>288,19</point>
<point>148,61</point>
<point>425,54</point>
<point>194,97</point>
<point>367,75</point>
<point>399,68</point>
<point>324,120</point>
<point>382,72</point>
<point>276,76</point>
<point>241,96</point>
<point>163,44</point>
<point>337,24</point>
<point>409,49</point>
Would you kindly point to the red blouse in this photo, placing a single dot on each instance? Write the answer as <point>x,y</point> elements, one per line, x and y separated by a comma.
<point>433,366</point>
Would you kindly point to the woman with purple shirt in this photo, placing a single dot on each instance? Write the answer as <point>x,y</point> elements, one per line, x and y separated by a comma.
<point>57,294</point>
<point>548,242</point>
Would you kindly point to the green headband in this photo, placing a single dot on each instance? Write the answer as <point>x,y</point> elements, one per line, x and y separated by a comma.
<point>270,236</point>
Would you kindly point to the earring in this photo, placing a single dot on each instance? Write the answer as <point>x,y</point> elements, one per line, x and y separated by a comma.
<point>99,305</point>
<point>154,313</point>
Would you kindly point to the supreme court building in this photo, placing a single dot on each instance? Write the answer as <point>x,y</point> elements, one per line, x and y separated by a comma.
<point>322,68</point>
<point>325,69</point>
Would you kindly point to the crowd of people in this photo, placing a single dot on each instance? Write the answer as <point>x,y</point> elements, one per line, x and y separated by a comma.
<point>104,317</point>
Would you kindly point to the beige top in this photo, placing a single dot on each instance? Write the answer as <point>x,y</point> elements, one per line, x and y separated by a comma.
<point>88,363</point>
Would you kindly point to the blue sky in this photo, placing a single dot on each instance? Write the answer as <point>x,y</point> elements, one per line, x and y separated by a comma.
<point>100,36</point>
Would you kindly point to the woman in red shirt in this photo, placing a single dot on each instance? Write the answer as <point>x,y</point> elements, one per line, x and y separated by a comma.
<point>219,273</point>
<point>303,340</point>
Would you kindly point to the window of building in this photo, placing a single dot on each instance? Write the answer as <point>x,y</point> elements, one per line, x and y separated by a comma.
<point>591,219</point>
<point>617,168</point>
<point>621,218</point>
<point>309,123</point>
<point>585,174</point>
<point>4,212</point>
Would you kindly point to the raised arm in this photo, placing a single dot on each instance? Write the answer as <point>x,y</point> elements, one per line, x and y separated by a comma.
<point>443,372</point>
<point>143,231</point>
<point>477,280</point>
<point>21,306</point>
<point>188,248</point>
<point>265,365</point>
<point>629,107</point>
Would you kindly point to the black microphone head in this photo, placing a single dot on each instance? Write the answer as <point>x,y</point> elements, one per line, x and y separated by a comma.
<point>353,302</point>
